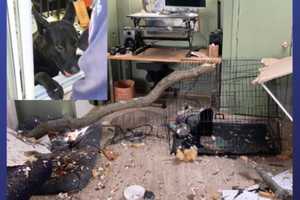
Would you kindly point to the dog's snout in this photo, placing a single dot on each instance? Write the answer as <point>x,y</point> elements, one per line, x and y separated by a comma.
<point>71,71</point>
<point>74,69</point>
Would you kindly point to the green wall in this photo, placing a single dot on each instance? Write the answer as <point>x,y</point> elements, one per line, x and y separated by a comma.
<point>252,29</point>
<point>44,109</point>
<point>113,36</point>
<point>256,28</point>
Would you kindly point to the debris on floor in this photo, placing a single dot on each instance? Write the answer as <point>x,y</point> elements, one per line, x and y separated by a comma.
<point>134,192</point>
<point>190,155</point>
<point>137,145</point>
<point>187,155</point>
<point>179,155</point>
<point>66,167</point>
<point>18,149</point>
<point>95,173</point>
<point>63,196</point>
<point>149,195</point>
<point>251,193</point>
<point>26,171</point>
<point>68,139</point>
<point>280,184</point>
<point>72,136</point>
<point>110,155</point>
<point>285,180</point>
<point>137,158</point>
<point>153,168</point>
<point>244,195</point>
<point>137,192</point>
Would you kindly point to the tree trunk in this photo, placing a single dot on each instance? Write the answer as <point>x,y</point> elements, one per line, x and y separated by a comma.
<point>61,124</point>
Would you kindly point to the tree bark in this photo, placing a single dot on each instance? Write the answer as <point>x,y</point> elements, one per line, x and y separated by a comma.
<point>61,124</point>
<point>279,192</point>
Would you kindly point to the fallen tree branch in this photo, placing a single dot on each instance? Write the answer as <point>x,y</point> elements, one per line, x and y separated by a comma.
<point>279,192</point>
<point>61,124</point>
<point>267,178</point>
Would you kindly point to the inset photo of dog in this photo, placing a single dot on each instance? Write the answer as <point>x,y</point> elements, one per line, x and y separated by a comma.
<point>57,50</point>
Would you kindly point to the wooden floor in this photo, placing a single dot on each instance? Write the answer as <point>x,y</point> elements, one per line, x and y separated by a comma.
<point>152,167</point>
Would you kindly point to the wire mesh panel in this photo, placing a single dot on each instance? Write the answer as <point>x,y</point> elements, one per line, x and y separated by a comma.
<point>135,125</point>
<point>238,96</point>
<point>224,112</point>
<point>282,89</point>
<point>50,7</point>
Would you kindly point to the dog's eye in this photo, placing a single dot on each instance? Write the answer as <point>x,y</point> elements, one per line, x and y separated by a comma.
<point>60,47</point>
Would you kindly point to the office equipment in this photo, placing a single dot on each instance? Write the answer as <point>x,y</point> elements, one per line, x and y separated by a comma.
<point>154,6</point>
<point>129,37</point>
<point>186,5</point>
<point>152,28</point>
<point>132,39</point>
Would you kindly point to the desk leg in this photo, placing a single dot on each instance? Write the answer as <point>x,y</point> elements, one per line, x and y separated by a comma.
<point>120,71</point>
<point>111,86</point>
<point>124,70</point>
<point>130,70</point>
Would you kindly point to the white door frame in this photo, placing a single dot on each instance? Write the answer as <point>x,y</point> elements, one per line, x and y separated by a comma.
<point>19,19</point>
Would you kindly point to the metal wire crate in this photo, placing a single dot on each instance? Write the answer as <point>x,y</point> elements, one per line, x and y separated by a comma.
<point>244,118</point>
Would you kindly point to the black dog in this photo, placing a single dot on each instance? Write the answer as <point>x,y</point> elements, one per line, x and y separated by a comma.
<point>55,46</point>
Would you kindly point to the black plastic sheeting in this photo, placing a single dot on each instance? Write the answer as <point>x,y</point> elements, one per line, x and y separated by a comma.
<point>22,183</point>
<point>70,170</point>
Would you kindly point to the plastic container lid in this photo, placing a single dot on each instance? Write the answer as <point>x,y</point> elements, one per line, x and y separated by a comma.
<point>134,192</point>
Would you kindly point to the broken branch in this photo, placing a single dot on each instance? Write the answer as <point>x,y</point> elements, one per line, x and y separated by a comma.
<point>61,124</point>
<point>280,192</point>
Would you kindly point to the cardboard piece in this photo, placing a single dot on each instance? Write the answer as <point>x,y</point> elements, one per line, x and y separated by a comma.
<point>213,51</point>
<point>81,13</point>
<point>273,69</point>
<point>17,148</point>
<point>285,180</point>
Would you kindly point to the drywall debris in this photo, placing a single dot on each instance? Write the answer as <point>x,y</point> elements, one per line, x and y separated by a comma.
<point>187,155</point>
<point>179,155</point>
<point>63,196</point>
<point>241,195</point>
<point>110,155</point>
<point>244,158</point>
<point>269,195</point>
<point>285,180</point>
<point>190,155</point>
<point>137,145</point>
<point>95,173</point>
<point>26,171</point>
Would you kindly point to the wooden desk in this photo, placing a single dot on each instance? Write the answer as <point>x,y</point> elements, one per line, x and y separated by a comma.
<point>162,55</point>
<point>167,55</point>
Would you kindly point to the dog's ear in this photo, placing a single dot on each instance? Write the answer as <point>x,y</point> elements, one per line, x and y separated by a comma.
<point>70,12</point>
<point>40,21</point>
